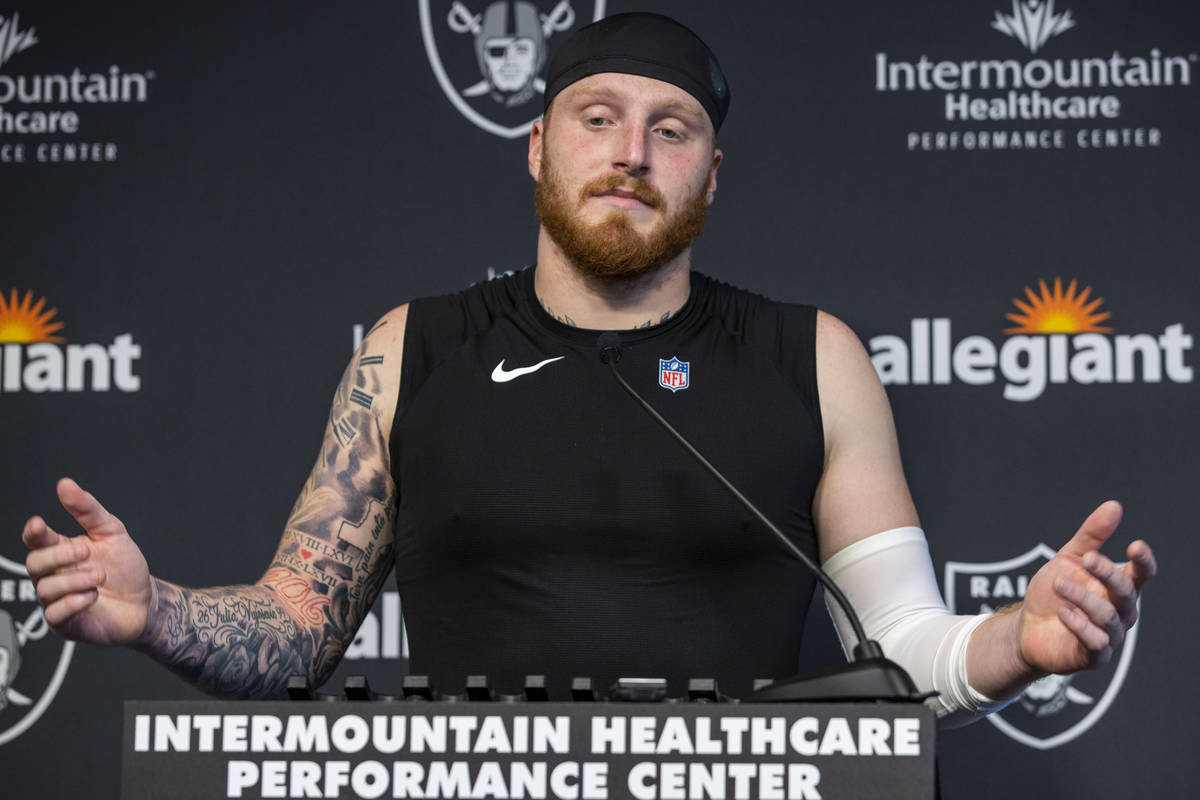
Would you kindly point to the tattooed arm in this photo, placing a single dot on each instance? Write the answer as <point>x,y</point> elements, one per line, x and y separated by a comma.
<point>244,641</point>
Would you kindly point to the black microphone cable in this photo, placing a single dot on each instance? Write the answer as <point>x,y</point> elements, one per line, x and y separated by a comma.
<point>610,353</point>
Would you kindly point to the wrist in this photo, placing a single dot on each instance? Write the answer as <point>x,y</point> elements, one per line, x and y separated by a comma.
<point>1022,670</point>
<point>996,662</point>
<point>144,640</point>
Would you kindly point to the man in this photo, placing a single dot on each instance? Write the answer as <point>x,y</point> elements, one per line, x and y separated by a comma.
<point>539,521</point>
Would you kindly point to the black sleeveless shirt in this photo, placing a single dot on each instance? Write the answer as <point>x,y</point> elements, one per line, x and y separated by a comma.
<point>547,525</point>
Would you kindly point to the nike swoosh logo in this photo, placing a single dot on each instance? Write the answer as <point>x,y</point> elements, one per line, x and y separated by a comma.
<point>502,375</point>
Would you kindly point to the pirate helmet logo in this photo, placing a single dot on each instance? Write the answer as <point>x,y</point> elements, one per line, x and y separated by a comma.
<point>33,663</point>
<point>1050,695</point>
<point>489,62</point>
<point>1057,708</point>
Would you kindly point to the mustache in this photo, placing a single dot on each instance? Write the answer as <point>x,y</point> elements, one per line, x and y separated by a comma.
<point>639,188</point>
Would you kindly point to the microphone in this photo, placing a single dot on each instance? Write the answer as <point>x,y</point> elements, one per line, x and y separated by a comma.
<point>610,347</point>
<point>869,676</point>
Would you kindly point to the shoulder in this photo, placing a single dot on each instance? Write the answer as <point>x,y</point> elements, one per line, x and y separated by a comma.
<point>388,330</point>
<point>438,326</point>
<point>385,338</point>
<point>469,310</point>
<point>844,370</point>
<point>838,346</point>
<point>751,317</point>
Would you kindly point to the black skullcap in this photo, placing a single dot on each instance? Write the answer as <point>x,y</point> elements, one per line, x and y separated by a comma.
<point>641,43</point>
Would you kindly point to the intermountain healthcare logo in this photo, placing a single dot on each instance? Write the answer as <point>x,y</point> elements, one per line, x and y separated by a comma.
<point>489,56</point>
<point>1057,340</point>
<point>1023,104</point>
<point>12,39</point>
<point>24,97</point>
<point>1057,708</point>
<point>1033,22</point>
<point>33,662</point>
<point>34,359</point>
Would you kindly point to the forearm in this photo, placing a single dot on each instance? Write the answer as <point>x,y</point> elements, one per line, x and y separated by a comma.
<point>230,641</point>
<point>889,578</point>
<point>995,666</point>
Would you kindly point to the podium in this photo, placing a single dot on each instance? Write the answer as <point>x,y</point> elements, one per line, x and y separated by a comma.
<point>465,748</point>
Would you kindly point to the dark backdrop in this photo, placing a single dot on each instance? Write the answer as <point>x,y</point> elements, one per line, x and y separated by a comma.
<point>294,169</point>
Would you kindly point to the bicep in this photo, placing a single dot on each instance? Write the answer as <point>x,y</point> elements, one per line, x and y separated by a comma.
<point>337,545</point>
<point>862,490</point>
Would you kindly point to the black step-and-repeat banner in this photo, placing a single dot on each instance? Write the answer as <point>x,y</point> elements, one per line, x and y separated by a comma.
<point>203,204</point>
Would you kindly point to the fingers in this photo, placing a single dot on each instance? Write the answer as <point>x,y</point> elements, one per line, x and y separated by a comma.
<point>1142,565</point>
<point>1101,602</point>
<point>62,610</point>
<point>1096,530</point>
<point>1101,613</point>
<point>1093,619</point>
<point>67,553</point>
<point>50,551</point>
<point>86,510</point>
<point>37,534</point>
<point>1089,635</point>
<point>1118,586</point>
<point>54,563</point>
<point>55,587</point>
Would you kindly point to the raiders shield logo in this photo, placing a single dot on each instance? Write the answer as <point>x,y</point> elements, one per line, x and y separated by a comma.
<point>1058,708</point>
<point>33,661</point>
<point>490,56</point>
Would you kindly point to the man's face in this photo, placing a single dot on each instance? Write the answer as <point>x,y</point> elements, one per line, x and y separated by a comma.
<point>510,61</point>
<point>626,170</point>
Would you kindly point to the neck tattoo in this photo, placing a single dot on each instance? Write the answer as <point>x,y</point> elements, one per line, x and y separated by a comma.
<point>563,318</point>
<point>566,320</point>
<point>650,322</point>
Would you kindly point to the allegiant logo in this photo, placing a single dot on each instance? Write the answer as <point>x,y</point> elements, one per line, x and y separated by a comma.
<point>1057,339</point>
<point>33,358</point>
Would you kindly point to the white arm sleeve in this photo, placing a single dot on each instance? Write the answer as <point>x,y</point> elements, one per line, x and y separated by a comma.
<point>889,580</point>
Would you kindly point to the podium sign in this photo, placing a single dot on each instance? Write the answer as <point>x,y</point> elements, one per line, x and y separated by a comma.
<point>575,751</point>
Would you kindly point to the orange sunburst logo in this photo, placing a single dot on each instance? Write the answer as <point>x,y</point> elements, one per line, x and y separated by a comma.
<point>1058,311</point>
<point>23,321</point>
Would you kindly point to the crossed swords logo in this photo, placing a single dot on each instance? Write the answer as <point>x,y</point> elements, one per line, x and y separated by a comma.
<point>34,627</point>
<point>461,20</point>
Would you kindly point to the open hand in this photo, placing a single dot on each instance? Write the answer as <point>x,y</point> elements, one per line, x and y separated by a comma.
<point>94,588</point>
<point>1079,606</point>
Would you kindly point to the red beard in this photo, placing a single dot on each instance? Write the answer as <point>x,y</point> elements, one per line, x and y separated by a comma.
<point>613,249</point>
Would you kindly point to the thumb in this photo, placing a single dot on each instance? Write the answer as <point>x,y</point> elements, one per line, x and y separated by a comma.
<point>87,511</point>
<point>1095,530</point>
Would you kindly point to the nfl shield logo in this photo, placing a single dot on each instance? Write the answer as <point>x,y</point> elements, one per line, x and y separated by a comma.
<point>1057,708</point>
<point>673,373</point>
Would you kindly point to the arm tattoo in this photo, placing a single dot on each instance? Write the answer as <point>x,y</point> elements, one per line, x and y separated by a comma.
<point>231,641</point>
<point>337,547</point>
